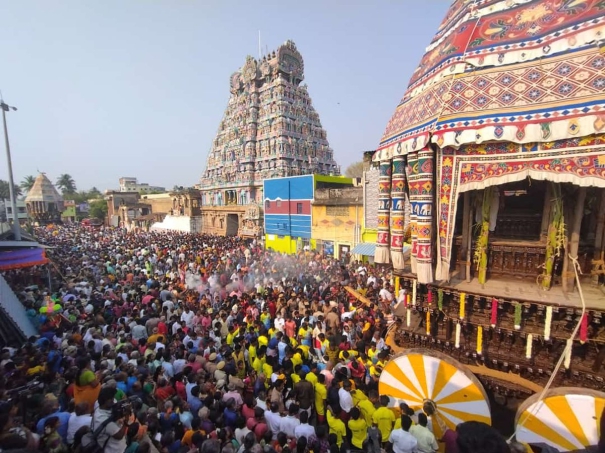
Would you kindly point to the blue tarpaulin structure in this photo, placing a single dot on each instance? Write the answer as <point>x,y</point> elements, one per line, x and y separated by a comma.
<point>19,258</point>
<point>364,248</point>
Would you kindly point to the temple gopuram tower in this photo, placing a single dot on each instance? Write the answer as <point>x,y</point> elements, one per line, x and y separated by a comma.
<point>270,129</point>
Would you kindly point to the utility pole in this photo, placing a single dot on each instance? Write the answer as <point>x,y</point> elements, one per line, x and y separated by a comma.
<point>11,183</point>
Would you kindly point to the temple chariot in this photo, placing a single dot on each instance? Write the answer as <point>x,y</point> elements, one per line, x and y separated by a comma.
<point>499,146</point>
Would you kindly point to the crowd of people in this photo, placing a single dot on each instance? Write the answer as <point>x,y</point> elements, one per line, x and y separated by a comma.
<point>173,342</point>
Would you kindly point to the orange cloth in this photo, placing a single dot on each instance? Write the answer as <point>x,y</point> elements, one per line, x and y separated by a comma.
<point>87,394</point>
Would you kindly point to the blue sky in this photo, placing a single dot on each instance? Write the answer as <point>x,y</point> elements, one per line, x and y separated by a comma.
<point>138,87</point>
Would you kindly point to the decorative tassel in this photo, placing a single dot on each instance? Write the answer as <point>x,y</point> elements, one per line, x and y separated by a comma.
<point>567,361</point>
<point>528,346</point>
<point>479,340</point>
<point>429,297</point>
<point>428,322</point>
<point>414,285</point>
<point>408,317</point>
<point>494,318</point>
<point>462,305</point>
<point>547,323</point>
<point>584,328</point>
<point>440,299</point>
<point>397,286</point>
<point>406,301</point>
<point>518,312</point>
<point>458,328</point>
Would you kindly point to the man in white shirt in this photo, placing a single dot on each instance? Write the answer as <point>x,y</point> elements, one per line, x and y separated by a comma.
<point>385,294</point>
<point>426,439</point>
<point>279,323</point>
<point>187,317</point>
<point>304,429</point>
<point>401,439</point>
<point>81,417</point>
<point>346,400</point>
<point>289,423</point>
<point>113,435</point>
<point>273,419</point>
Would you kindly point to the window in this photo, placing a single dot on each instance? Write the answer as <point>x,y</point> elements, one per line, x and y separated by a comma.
<point>267,204</point>
<point>299,208</point>
<point>278,203</point>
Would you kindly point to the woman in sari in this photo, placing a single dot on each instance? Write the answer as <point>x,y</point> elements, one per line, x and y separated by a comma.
<point>87,387</point>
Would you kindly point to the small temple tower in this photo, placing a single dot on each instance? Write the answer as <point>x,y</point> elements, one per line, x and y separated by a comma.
<point>270,129</point>
<point>44,203</point>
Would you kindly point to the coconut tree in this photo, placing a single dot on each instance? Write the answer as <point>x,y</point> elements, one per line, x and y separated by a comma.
<point>66,183</point>
<point>27,183</point>
<point>5,190</point>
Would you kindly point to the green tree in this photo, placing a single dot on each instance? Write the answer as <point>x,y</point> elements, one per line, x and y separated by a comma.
<point>5,190</point>
<point>98,209</point>
<point>81,196</point>
<point>27,183</point>
<point>67,184</point>
<point>355,170</point>
<point>94,193</point>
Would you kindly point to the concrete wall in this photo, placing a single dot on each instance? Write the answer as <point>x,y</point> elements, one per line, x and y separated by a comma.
<point>371,198</point>
<point>337,224</point>
<point>179,223</point>
<point>281,244</point>
<point>159,203</point>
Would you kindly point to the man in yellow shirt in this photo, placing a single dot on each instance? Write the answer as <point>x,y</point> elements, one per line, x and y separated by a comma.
<point>311,376</point>
<point>358,427</point>
<point>252,351</point>
<point>230,336</point>
<point>357,396</point>
<point>259,360</point>
<point>263,340</point>
<point>297,358</point>
<point>337,427</point>
<point>384,418</point>
<point>321,394</point>
<point>366,406</point>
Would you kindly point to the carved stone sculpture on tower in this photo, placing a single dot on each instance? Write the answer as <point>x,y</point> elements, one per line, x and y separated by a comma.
<point>268,108</point>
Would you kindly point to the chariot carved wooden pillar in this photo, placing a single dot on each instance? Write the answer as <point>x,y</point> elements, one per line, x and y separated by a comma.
<point>397,211</point>
<point>424,215</point>
<point>382,255</point>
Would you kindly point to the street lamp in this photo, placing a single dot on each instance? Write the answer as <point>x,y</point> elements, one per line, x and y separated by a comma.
<point>11,184</point>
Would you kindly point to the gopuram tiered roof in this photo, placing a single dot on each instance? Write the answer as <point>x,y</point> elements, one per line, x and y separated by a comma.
<point>270,129</point>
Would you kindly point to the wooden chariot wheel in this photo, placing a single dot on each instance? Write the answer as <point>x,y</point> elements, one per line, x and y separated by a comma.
<point>420,376</point>
<point>566,419</point>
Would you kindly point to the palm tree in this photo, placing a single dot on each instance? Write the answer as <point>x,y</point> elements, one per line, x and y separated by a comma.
<point>27,183</point>
<point>5,190</point>
<point>66,183</point>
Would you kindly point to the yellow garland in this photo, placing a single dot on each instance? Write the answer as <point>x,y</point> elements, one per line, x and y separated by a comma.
<point>568,347</point>
<point>396,287</point>
<point>528,346</point>
<point>462,303</point>
<point>428,322</point>
<point>414,290</point>
<point>479,340</point>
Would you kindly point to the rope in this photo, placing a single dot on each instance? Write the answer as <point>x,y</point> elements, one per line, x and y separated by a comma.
<point>540,403</point>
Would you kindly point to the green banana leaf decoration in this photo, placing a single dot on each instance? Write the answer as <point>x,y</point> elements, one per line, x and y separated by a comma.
<point>555,238</point>
<point>480,253</point>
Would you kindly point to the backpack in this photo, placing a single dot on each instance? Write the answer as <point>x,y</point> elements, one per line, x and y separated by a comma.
<point>90,442</point>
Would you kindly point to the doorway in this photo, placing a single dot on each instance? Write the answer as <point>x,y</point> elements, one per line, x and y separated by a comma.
<point>232,225</point>
<point>342,252</point>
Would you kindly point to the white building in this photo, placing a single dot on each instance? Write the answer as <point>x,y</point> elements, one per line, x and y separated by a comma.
<point>129,184</point>
<point>7,210</point>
